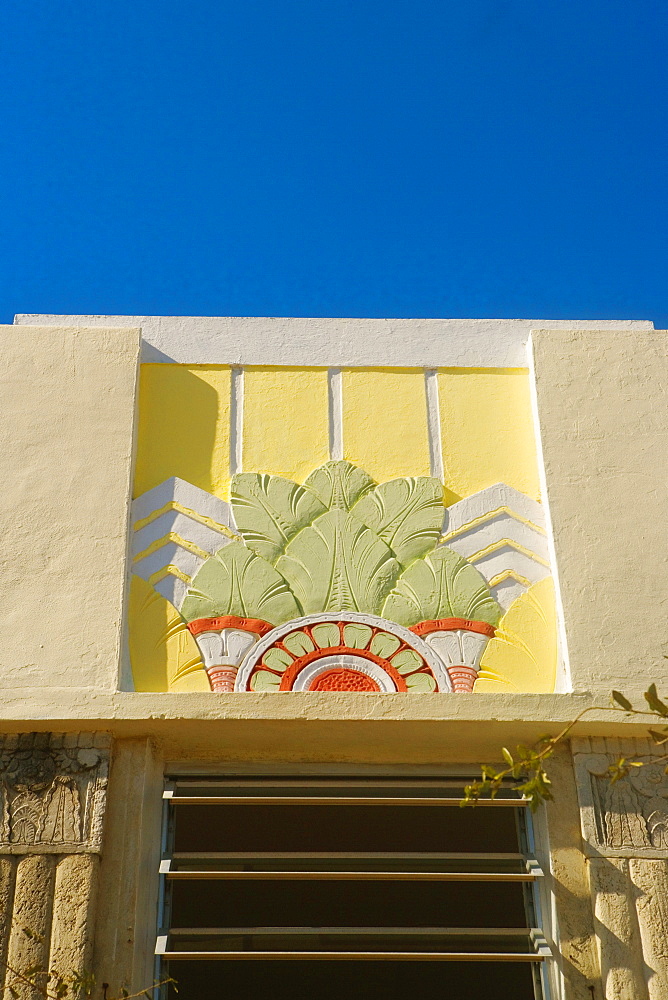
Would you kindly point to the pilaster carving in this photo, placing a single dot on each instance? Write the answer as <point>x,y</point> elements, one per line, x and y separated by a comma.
<point>52,792</point>
<point>625,831</point>
<point>627,818</point>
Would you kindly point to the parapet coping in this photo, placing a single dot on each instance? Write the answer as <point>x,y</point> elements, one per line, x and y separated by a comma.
<point>329,342</point>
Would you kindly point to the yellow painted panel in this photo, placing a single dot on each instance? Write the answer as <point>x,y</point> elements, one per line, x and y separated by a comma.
<point>523,656</point>
<point>184,426</point>
<point>385,422</point>
<point>286,428</point>
<point>163,653</point>
<point>487,430</point>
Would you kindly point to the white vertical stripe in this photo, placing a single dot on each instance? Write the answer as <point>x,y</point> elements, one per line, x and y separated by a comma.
<point>236,420</point>
<point>434,423</point>
<point>335,399</point>
<point>563,682</point>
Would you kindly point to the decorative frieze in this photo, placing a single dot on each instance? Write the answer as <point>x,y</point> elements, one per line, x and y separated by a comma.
<point>626,818</point>
<point>52,792</point>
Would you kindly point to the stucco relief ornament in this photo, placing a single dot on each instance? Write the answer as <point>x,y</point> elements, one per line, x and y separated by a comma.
<point>356,571</point>
<point>48,794</point>
<point>631,813</point>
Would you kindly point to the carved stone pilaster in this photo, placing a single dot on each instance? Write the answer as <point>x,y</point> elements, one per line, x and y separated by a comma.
<point>625,833</point>
<point>52,798</point>
<point>52,792</point>
<point>627,818</point>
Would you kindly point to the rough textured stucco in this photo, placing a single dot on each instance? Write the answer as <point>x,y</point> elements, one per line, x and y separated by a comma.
<point>487,430</point>
<point>302,726</point>
<point>385,423</point>
<point>602,402</point>
<point>183,426</point>
<point>285,420</point>
<point>65,465</point>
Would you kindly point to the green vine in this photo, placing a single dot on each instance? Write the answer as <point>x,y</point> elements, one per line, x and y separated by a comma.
<point>527,766</point>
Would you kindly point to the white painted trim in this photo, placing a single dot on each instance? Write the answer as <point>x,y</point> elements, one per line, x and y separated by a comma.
<point>335,410</point>
<point>491,498</point>
<point>434,424</point>
<point>182,492</point>
<point>236,420</point>
<point>564,681</point>
<point>354,343</point>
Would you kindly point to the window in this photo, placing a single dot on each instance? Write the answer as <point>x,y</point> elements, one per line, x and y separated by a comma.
<point>347,887</point>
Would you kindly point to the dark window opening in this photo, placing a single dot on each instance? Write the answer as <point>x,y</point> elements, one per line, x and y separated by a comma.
<point>347,887</point>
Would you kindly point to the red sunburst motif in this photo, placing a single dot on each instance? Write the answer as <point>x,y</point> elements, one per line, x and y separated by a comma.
<point>343,679</point>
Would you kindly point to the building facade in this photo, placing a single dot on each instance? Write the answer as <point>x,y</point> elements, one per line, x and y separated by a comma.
<point>274,589</point>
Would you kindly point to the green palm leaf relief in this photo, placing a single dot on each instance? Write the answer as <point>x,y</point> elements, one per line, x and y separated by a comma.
<point>442,585</point>
<point>406,513</point>
<point>269,510</point>
<point>236,581</point>
<point>304,552</point>
<point>339,484</point>
<point>338,564</point>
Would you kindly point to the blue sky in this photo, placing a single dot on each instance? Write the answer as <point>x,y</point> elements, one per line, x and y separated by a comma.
<point>335,157</point>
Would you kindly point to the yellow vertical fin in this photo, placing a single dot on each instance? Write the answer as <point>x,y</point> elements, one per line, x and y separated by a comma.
<point>163,654</point>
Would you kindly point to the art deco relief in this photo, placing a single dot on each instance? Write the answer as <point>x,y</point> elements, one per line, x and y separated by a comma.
<point>380,583</point>
<point>52,791</point>
<point>627,818</point>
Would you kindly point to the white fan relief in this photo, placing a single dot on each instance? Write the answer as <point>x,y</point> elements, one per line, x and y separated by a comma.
<point>211,647</point>
<point>227,646</point>
<point>237,643</point>
<point>473,646</point>
<point>458,647</point>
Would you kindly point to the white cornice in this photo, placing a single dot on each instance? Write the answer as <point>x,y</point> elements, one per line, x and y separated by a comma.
<point>405,343</point>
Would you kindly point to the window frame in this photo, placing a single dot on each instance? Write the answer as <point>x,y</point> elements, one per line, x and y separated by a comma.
<point>534,890</point>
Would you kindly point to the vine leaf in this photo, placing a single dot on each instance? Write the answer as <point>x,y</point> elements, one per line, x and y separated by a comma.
<point>406,513</point>
<point>269,510</point>
<point>442,585</point>
<point>338,564</point>
<point>236,581</point>
<point>654,702</point>
<point>622,701</point>
<point>339,484</point>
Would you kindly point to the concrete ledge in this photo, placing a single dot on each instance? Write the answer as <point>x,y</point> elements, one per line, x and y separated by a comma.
<point>327,727</point>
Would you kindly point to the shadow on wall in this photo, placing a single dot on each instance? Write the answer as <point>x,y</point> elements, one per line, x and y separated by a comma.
<point>183,425</point>
<point>182,414</point>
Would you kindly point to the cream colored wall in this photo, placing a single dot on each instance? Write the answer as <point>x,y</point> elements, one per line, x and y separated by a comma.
<point>67,453</point>
<point>602,401</point>
<point>66,439</point>
<point>67,436</point>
